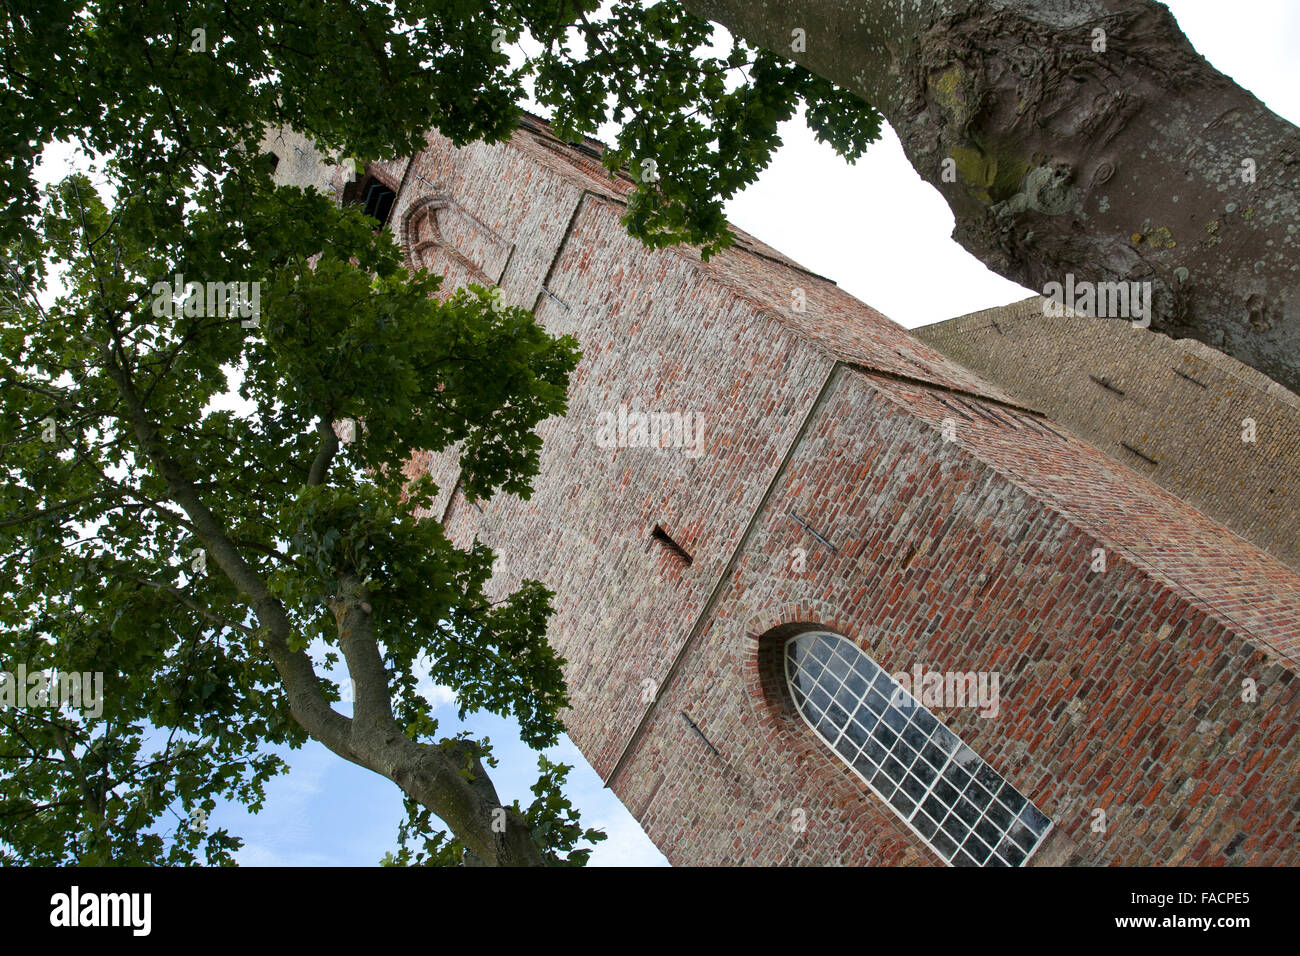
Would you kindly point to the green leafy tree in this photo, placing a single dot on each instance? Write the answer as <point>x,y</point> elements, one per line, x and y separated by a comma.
<point>194,553</point>
<point>174,89</point>
<point>198,550</point>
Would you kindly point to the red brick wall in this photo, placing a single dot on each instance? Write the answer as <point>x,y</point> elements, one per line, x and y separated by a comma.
<point>623,610</point>
<point>1121,690</point>
<point>1116,693</point>
<point>1178,402</point>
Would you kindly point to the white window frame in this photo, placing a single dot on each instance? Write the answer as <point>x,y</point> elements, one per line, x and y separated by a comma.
<point>834,687</point>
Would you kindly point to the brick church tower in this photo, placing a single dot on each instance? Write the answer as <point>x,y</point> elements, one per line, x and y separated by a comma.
<point>826,595</point>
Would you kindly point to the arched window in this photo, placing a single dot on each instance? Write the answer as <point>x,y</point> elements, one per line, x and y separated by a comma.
<point>445,239</point>
<point>963,808</point>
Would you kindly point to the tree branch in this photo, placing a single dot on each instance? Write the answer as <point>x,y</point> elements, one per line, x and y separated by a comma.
<point>329,446</point>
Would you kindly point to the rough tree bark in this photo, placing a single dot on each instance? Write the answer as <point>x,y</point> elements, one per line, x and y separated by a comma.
<point>1136,162</point>
<point>431,774</point>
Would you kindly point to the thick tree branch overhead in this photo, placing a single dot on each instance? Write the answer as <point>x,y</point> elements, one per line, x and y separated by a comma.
<point>1086,138</point>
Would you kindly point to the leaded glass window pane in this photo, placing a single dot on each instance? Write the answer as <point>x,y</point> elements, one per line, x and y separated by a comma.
<point>955,801</point>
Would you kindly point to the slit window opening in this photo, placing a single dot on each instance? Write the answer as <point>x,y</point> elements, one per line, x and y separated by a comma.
<point>662,537</point>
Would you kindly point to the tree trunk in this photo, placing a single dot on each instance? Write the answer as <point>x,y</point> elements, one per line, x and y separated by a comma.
<point>448,778</point>
<point>1086,137</point>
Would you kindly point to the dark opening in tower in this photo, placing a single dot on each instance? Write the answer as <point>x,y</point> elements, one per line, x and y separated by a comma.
<point>375,199</point>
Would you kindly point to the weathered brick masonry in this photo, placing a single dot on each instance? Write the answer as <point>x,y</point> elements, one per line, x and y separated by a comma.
<point>1173,410</point>
<point>849,477</point>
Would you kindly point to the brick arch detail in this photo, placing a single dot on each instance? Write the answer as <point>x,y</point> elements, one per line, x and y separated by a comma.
<point>421,233</point>
<point>413,237</point>
<point>757,652</point>
<point>765,696</point>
